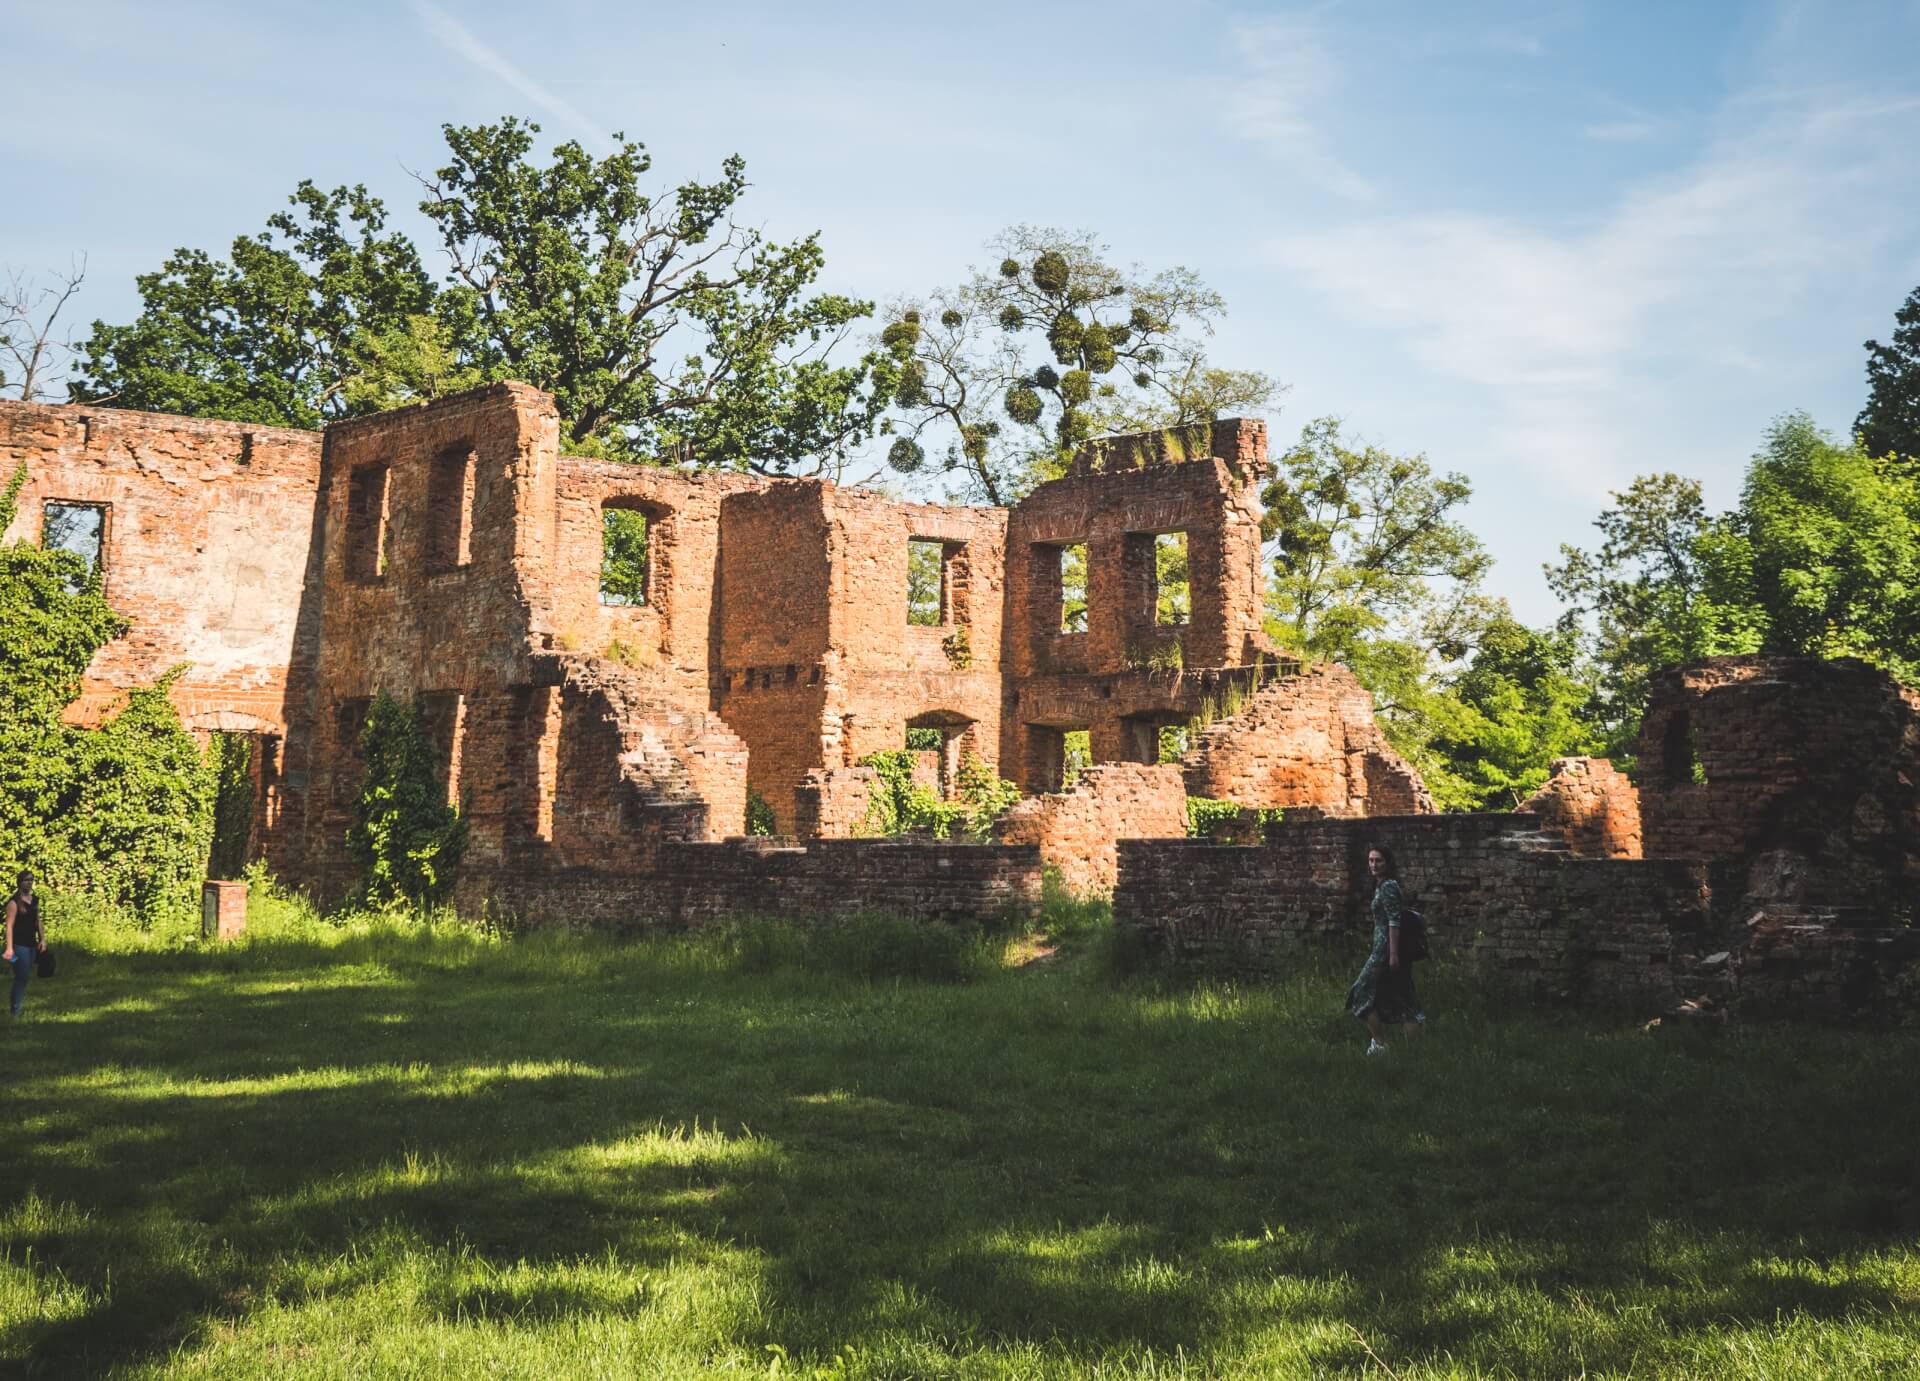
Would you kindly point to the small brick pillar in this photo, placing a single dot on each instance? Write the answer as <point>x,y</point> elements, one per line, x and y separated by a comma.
<point>223,910</point>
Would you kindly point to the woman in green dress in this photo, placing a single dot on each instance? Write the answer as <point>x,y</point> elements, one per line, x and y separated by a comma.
<point>1383,993</point>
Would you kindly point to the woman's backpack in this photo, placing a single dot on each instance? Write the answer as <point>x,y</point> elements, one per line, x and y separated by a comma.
<point>43,966</point>
<point>1413,935</point>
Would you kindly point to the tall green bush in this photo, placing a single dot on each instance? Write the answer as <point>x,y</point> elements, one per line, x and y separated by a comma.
<point>406,838</point>
<point>123,812</point>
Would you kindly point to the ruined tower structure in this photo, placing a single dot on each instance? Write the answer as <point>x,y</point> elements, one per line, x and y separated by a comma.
<point>603,742</point>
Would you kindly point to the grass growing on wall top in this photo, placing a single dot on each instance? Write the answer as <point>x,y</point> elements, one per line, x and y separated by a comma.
<point>385,1148</point>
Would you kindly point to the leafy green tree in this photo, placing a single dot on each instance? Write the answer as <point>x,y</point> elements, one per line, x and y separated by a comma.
<point>1890,422</point>
<point>1359,539</point>
<point>623,557</point>
<point>1664,587</point>
<point>1829,537</point>
<point>1018,368</point>
<point>280,332</point>
<point>664,327</point>
<point>407,840</point>
<point>1520,701</point>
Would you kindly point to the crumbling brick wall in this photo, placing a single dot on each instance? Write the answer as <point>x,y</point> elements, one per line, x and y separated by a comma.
<point>1306,738</point>
<point>701,884</point>
<point>1591,805</point>
<point>1128,674</point>
<point>1802,776</point>
<point>1515,907</point>
<point>1077,830</point>
<point>209,550</point>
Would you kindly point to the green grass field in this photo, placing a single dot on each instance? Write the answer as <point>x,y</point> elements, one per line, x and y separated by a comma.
<point>391,1150</point>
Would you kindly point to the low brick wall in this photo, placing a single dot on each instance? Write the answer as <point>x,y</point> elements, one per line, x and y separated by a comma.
<point>1496,893</point>
<point>699,884</point>
<point>1076,830</point>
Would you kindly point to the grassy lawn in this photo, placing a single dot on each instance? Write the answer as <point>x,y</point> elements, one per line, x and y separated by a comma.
<point>380,1150</point>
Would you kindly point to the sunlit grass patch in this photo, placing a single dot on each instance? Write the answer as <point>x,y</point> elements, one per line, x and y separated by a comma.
<point>392,1147</point>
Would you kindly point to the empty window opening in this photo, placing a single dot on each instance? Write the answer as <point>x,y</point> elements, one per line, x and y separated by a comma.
<point>1076,756</point>
<point>1174,741</point>
<point>926,583</point>
<point>349,762</point>
<point>236,763</point>
<point>450,509</point>
<point>80,528</point>
<point>442,718</point>
<point>1680,753</point>
<point>369,536</point>
<point>624,556</point>
<point>1172,596</point>
<point>1073,588</point>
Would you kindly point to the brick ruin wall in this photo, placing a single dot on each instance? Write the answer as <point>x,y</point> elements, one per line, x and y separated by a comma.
<point>209,547</point>
<point>821,880</point>
<point>1306,739</point>
<point>1517,909</point>
<point>1077,831</point>
<point>1591,805</point>
<point>1801,777</point>
<point>1780,834</point>
<point>448,554</point>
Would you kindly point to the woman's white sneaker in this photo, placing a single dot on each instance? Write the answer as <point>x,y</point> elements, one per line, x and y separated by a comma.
<point>1376,1048</point>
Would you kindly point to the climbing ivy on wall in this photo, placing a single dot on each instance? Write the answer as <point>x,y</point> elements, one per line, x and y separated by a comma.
<point>405,836</point>
<point>230,759</point>
<point>124,812</point>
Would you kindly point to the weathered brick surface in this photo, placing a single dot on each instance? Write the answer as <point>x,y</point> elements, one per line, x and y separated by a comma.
<point>1805,773</point>
<point>1496,893</point>
<point>449,553</point>
<point>1077,830</point>
<point>210,549</point>
<point>699,884</point>
<point>1306,738</point>
<point>1591,806</point>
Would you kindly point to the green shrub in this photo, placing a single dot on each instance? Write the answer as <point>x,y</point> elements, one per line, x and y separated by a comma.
<point>900,805</point>
<point>1203,813</point>
<point>759,814</point>
<point>1066,915</point>
<point>405,837</point>
<point>123,813</point>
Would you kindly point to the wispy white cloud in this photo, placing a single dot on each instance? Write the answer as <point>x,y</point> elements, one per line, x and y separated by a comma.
<point>1620,131</point>
<point>458,39</point>
<point>1514,41</point>
<point>1286,73</point>
<point>1564,328</point>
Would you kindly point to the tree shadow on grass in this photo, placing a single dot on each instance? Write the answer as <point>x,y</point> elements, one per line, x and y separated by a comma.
<point>1014,1163</point>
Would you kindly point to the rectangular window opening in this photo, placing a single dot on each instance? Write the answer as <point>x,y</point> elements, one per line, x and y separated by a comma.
<point>1073,588</point>
<point>80,528</point>
<point>369,527</point>
<point>450,509</point>
<point>1076,756</point>
<point>442,716</point>
<point>926,583</point>
<point>624,556</point>
<point>1172,594</point>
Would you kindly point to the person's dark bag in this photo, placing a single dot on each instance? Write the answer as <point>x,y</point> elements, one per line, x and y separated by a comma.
<point>1413,935</point>
<point>43,966</point>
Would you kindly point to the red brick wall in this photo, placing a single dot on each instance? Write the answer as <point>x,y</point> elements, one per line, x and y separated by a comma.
<point>1306,739</point>
<point>1077,830</point>
<point>209,551</point>
<point>1592,806</point>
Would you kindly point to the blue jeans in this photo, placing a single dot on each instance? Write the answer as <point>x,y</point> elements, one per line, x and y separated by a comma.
<point>23,960</point>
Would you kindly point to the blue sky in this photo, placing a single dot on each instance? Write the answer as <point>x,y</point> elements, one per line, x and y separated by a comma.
<point>1551,245</point>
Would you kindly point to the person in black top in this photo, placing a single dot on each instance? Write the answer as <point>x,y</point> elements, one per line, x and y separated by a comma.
<point>25,938</point>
